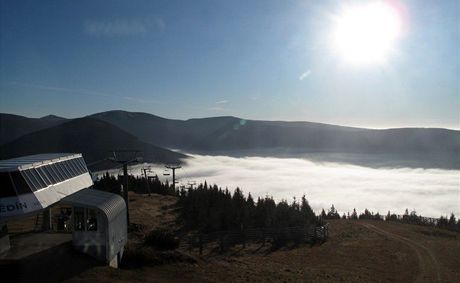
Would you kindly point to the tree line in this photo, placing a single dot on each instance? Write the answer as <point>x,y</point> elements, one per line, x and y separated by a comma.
<point>450,223</point>
<point>210,208</point>
<point>140,185</point>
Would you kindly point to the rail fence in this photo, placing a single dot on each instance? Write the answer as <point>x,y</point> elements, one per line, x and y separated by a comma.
<point>442,223</point>
<point>224,239</point>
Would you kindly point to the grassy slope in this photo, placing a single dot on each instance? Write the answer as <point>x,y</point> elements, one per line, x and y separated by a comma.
<point>354,253</point>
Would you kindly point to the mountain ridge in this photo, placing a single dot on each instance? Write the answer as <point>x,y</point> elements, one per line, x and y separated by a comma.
<point>14,126</point>
<point>93,138</point>
<point>228,135</point>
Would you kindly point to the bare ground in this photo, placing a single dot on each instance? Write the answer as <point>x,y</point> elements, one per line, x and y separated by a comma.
<point>357,251</point>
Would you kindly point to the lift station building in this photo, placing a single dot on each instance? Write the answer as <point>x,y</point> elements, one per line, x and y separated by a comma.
<point>32,184</point>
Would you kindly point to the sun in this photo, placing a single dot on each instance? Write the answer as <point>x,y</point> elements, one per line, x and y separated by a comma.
<point>367,33</point>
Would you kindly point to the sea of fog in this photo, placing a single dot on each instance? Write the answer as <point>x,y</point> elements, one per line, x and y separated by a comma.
<point>430,192</point>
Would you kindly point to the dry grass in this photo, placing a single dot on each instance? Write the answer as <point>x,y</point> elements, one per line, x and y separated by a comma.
<point>354,253</point>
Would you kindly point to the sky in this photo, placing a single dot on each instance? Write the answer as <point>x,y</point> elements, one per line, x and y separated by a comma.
<point>267,60</point>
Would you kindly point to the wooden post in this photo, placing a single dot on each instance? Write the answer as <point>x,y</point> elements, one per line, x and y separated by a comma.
<point>221,242</point>
<point>200,239</point>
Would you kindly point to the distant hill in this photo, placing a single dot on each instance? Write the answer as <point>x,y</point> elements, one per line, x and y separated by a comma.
<point>403,147</point>
<point>231,133</point>
<point>94,138</point>
<point>14,126</point>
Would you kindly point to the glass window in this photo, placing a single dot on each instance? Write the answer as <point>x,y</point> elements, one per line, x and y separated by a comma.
<point>64,170</point>
<point>36,175</point>
<point>76,162</point>
<point>82,164</point>
<point>44,175</point>
<point>6,189</point>
<point>51,175</point>
<point>56,170</point>
<point>20,183</point>
<point>68,164</point>
<point>79,218</point>
<point>30,181</point>
<point>91,223</point>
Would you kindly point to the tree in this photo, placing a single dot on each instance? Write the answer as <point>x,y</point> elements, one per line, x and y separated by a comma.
<point>452,221</point>
<point>306,211</point>
<point>354,215</point>
<point>333,213</point>
<point>323,214</point>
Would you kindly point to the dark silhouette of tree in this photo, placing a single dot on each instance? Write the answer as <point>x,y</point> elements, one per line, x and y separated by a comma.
<point>323,214</point>
<point>452,221</point>
<point>333,213</point>
<point>354,215</point>
<point>209,208</point>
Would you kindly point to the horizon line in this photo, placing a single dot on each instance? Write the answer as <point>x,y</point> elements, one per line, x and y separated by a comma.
<point>260,120</point>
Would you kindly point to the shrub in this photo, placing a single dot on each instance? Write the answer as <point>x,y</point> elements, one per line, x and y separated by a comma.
<point>161,239</point>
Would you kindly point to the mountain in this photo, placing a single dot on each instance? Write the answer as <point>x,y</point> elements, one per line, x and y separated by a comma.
<point>94,138</point>
<point>14,126</point>
<point>235,136</point>
<point>231,133</point>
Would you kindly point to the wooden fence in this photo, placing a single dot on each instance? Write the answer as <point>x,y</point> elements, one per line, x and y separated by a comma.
<point>424,221</point>
<point>279,236</point>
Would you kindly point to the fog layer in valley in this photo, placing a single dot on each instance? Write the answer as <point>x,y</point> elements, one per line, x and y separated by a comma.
<point>431,192</point>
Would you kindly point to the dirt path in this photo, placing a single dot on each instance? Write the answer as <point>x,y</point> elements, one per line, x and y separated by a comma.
<point>428,265</point>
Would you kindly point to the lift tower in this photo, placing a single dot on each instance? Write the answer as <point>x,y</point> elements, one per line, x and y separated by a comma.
<point>173,168</point>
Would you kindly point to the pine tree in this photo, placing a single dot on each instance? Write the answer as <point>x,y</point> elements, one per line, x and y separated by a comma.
<point>354,215</point>
<point>452,221</point>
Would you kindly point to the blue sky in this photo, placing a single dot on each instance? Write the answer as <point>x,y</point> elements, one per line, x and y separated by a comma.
<point>269,60</point>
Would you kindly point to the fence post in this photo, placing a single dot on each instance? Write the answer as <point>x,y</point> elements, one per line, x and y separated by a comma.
<point>221,237</point>
<point>263,237</point>
<point>200,239</point>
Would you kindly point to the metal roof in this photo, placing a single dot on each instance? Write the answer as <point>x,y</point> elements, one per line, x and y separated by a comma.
<point>28,161</point>
<point>111,204</point>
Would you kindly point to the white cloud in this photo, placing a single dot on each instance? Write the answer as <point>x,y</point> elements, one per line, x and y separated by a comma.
<point>78,91</point>
<point>123,27</point>
<point>222,102</point>
<point>216,109</point>
<point>304,75</point>
<point>431,192</point>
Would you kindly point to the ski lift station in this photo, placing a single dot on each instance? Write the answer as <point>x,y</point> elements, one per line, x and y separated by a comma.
<point>43,184</point>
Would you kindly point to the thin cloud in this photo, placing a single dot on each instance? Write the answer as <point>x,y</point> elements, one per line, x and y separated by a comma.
<point>222,102</point>
<point>80,91</point>
<point>123,27</point>
<point>77,91</point>
<point>216,109</point>
<point>304,75</point>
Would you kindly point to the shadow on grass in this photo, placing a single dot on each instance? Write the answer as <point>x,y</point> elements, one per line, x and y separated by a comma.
<point>56,264</point>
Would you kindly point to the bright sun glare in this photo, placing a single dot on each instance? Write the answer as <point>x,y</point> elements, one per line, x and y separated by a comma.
<point>366,34</point>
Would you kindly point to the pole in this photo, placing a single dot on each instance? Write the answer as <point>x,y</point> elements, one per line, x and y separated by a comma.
<point>174,179</point>
<point>125,162</point>
<point>173,168</point>
<point>146,179</point>
<point>125,189</point>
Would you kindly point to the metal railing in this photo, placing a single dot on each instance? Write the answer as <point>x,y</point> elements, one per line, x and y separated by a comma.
<point>278,236</point>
